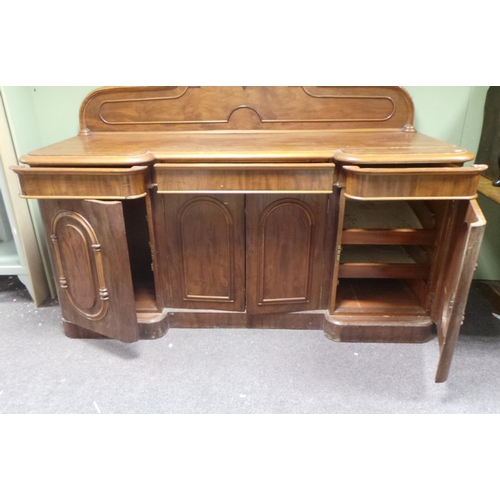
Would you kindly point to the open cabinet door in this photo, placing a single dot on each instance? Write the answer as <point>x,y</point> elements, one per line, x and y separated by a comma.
<point>88,248</point>
<point>464,236</point>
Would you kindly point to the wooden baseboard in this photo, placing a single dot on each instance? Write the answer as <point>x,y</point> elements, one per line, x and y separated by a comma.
<point>209,319</point>
<point>206,319</point>
<point>403,329</point>
<point>340,328</point>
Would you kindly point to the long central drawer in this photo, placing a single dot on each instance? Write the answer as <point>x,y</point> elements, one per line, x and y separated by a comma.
<point>244,177</point>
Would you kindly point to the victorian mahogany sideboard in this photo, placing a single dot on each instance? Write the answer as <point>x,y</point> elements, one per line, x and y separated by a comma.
<point>261,207</point>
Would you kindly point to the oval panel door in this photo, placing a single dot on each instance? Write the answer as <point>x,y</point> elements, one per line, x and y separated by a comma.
<point>92,266</point>
<point>79,264</point>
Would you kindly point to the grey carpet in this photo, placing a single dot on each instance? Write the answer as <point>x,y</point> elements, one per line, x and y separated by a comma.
<point>237,371</point>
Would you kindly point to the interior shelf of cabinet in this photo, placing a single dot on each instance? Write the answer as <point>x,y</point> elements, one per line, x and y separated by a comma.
<point>387,239</point>
<point>398,236</point>
<point>145,296</point>
<point>383,261</point>
<point>396,222</point>
<point>378,297</point>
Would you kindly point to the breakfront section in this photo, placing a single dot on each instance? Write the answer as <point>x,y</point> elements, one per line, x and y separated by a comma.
<point>404,237</point>
<point>258,207</point>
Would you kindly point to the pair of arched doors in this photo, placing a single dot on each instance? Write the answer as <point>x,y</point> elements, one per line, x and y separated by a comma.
<point>262,253</point>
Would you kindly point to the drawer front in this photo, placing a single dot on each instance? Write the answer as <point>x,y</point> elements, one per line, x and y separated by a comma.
<point>83,183</point>
<point>438,183</point>
<point>245,178</point>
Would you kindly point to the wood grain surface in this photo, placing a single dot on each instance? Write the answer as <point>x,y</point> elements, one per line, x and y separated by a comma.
<point>259,207</point>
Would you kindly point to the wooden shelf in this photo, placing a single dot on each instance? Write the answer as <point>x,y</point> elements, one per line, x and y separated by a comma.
<point>145,297</point>
<point>376,296</point>
<point>388,236</point>
<point>388,223</point>
<point>382,261</point>
<point>381,270</point>
<point>374,234</point>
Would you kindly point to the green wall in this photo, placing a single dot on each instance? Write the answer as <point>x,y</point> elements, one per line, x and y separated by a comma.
<point>440,111</point>
<point>455,114</point>
<point>20,109</point>
<point>452,114</point>
<point>57,110</point>
<point>40,116</point>
<point>43,115</point>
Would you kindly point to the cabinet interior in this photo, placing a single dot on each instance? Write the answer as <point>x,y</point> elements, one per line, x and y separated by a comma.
<point>378,296</point>
<point>139,241</point>
<point>388,255</point>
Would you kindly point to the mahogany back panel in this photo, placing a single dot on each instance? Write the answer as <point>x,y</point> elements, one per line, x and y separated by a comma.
<point>116,109</point>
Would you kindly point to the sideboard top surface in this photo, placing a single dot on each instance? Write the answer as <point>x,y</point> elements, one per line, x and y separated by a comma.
<point>142,148</point>
<point>126,126</point>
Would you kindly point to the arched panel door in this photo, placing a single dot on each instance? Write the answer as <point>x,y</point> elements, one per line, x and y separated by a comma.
<point>285,236</point>
<point>206,247</point>
<point>91,266</point>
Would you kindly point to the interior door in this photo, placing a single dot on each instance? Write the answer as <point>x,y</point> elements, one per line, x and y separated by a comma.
<point>285,236</point>
<point>463,239</point>
<point>88,249</point>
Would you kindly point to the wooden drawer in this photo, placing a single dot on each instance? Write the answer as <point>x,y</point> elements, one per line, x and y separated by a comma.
<point>244,178</point>
<point>83,183</point>
<point>437,183</point>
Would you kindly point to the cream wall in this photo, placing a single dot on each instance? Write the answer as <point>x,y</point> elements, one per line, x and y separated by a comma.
<point>43,115</point>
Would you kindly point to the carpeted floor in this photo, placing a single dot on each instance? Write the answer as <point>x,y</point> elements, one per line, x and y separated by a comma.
<point>237,371</point>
